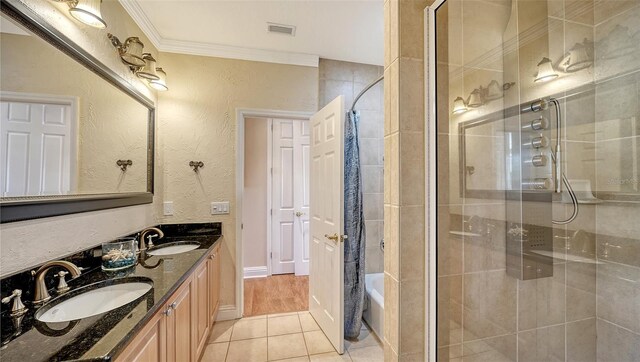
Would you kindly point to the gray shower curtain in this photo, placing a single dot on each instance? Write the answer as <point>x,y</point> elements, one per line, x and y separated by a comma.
<point>354,245</point>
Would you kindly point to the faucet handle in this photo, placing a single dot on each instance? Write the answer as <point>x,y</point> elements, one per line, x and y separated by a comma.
<point>150,240</point>
<point>18,308</point>
<point>62,283</point>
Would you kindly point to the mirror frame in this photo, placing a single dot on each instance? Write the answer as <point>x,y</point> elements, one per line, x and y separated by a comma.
<point>35,207</point>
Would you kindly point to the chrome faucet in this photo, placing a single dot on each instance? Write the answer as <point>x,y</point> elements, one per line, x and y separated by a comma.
<point>41,293</point>
<point>144,233</point>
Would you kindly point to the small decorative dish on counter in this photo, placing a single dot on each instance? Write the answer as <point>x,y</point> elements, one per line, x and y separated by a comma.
<point>119,254</point>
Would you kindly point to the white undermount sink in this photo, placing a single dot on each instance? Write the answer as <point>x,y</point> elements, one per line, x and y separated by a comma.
<point>173,248</point>
<point>93,302</point>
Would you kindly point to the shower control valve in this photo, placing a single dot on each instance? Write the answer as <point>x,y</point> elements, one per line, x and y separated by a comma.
<point>539,142</point>
<point>539,160</point>
<point>537,124</point>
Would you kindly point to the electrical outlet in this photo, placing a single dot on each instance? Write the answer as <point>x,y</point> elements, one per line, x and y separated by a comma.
<point>168,208</point>
<point>220,208</point>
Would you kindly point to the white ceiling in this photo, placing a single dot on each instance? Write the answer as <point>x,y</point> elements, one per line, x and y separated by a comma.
<point>349,30</point>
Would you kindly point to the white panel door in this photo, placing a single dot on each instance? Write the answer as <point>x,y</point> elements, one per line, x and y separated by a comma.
<point>326,283</point>
<point>35,148</point>
<point>290,197</point>
<point>301,160</point>
<point>283,198</point>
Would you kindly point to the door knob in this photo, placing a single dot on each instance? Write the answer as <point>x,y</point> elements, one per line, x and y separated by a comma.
<point>335,237</point>
<point>298,213</point>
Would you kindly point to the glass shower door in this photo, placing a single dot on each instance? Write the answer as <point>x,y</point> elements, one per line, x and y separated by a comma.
<point>538,180</point>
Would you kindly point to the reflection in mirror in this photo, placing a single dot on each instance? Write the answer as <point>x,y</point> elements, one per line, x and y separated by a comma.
<point>64,128</point>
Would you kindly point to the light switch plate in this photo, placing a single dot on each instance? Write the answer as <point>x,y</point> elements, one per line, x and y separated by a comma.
<point>220,208</point>
<point>168,208</point>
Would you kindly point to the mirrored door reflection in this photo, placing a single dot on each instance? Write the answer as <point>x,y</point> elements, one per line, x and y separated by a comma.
<point>538,170</point>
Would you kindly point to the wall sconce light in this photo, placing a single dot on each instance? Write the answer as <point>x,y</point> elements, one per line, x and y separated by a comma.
<point>459,106</point>
<point>86,12</point>
<point>161,83</point>
<point>141,64</point>
<point>148,71</point>
<point>545,71</point>
<point>481,96</point>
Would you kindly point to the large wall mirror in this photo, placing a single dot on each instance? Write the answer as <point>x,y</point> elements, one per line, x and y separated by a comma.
<point>75,136</point>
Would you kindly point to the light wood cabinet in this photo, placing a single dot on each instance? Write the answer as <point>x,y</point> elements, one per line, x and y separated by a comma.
<point>180,329</point>
<point>150,344</point>
<point>180,333</point>
<point>213,266</point>
<point>202,319</point>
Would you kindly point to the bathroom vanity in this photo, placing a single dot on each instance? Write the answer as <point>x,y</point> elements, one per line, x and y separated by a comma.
<point>170,321</point>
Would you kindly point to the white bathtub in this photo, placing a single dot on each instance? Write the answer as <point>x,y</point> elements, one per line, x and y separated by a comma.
<point>374,302</point>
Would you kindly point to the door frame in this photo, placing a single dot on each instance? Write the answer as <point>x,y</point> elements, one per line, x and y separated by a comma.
<point>431,177</point>
<point>241,115</point>
<point>74,104</point>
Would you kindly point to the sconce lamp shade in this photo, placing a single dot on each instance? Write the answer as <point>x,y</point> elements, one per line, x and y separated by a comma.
<point>577,58</point>
<point>459,106</point>
<point>88,12</point>
<point>545,71</point>
<point>160,84</point>
<point>475,99</point>
<point>131,52</point>
<point>148,71</point>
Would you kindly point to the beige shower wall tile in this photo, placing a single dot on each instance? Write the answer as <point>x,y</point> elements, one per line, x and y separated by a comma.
<point>394,169</point>
<point>580,11</point>
<point>391,311</point>
<point>412,184</point>
<point>411,93</point>
<point>392,97</point>
<point>606,9</point>
<point>386,101</point>
<point>386,172</point>
<point>392,241</point>
<point>542,344</point>
<point>412,231</point>
<point>412,321</point>
<point>581,341</point>
<point>411,16</point>
<point>394,30</point>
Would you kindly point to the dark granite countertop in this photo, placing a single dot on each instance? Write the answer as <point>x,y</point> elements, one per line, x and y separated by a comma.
<point>102,337</point>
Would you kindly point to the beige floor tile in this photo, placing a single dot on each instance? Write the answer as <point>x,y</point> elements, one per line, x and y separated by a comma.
<point>295,359</point>
<point>263,316</point>
<point>283,325</point>
<point>221,331</point>
<point>365,339</point>
<point>248,350</point>
<point>215,352</point>
<point>277,315</point>
<point>367,354</point>
<point>286,346</point>
<point>317,342</point>
<point>249,328</point>
<point>308,323</point>
<point>330,357</point>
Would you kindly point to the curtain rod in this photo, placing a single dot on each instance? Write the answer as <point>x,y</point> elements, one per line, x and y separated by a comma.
<point>365,91</point>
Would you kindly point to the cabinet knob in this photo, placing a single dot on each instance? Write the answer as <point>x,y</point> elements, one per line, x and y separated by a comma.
<point>167,312</point>
<point>173,305</point>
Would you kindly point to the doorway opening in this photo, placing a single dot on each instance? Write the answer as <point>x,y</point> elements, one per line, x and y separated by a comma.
<point>274,224</point>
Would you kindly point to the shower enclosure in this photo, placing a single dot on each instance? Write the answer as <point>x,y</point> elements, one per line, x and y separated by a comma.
<point>537,163</point>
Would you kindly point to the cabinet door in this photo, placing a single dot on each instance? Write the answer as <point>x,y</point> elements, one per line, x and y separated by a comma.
<point>149,345</point>
<point>201,307</point>
<point>180,337</point>
<point>214,283</point>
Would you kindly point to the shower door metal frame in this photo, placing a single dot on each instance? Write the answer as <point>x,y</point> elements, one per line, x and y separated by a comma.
<point>431,191</point>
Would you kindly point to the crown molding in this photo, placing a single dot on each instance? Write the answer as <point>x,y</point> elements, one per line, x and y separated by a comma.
<point>233,52</point>
<point>213,50</point>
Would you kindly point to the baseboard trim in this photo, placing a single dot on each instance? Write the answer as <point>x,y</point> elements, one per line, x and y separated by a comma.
<point>227,312</point>
<point>255,272</point>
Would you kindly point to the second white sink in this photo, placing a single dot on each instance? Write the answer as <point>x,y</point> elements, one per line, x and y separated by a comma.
<point>173,248</point>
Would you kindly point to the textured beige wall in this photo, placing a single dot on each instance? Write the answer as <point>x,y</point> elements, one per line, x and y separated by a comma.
<point>29,243</point>
<point>110,126</point>
<point>197,121</point>
<point>254,216</point>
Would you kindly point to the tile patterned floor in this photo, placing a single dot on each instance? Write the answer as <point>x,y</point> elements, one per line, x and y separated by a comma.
<point>293,337</point>
<point>276,294</point>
